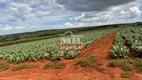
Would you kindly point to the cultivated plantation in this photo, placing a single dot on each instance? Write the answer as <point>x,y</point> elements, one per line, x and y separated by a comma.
<point>129,37</point>
<point>112,53</point>
<point>48,48</point>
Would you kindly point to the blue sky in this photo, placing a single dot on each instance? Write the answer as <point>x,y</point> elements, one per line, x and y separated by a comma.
<point>17,16</point>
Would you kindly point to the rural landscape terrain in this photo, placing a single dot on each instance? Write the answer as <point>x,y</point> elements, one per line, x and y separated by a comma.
<point>70,39</point>
<point>111,52</point>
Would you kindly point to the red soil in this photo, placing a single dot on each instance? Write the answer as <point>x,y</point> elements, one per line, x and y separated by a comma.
<point>69,72</point>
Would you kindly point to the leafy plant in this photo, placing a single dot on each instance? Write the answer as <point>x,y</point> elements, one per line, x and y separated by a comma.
<point>58,55</point>
<point>119,50</point>
<point>71,54</point>
<point>137,47</point>
<point>133,38</point>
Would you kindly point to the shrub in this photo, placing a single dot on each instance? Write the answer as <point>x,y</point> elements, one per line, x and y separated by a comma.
<point>116,63</point>
<point>54,65</point>
<point>138,62</point>
<point>85,62</point>
<point>100,63</point>
<point>23,66</point>
<point>138,65</point>
<point>4,66</point>
<point>128,61</point>
<point>100,69</point>
<point>126,74</point>
<point>127,67</point>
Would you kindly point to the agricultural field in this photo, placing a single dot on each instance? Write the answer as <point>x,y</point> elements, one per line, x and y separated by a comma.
<point>107,52</point>
<point>131,37</point>
<point>70,39</point>
<point>48,48</point>
<point>128,46</point>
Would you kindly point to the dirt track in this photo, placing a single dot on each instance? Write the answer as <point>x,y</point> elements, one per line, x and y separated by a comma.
<point>69,72</point>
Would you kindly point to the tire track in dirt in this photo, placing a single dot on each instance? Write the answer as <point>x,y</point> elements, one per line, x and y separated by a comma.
<point>101,48</point>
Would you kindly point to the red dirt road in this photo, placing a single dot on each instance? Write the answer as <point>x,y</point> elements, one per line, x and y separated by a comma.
<point>69,72</point>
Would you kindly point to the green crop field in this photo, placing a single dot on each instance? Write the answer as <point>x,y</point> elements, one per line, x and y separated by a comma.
<point>131,36</point>
<point>48,48</point>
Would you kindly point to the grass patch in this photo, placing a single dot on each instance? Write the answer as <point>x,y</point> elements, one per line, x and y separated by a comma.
<point>54,65</point>
<point>100,63</point>
<point>128,64</point>
<point>128,61</point>
<point>116,63</point>
<point>127,67</point>
<point>23,66</point>
<point>4,66</point>
<point>138,65</point>
<point>85,62</point>
<point>139,70</point>
<point>100,69</point>
<point>126,74</point>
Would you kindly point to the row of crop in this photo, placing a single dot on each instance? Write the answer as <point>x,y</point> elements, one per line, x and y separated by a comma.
<point>119,50</point>
<point>131,36</point>
<point>47,49</point>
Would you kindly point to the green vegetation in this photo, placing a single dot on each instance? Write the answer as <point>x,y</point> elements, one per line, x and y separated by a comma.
<point>85,62</point>
<point>116,63</point>
<point>25,37</point>
<point>3,66</point>
<point>128,64</point>
<point>126,74</point>
<point>138,65</point>
<point>23,66</point>
<point>119,50</point>
<point>130,36</point>
<point>11,39</point>
<point>133,37</point>
<point>49,48</point>
<point>54,65</point>
<point>100,69</point>
<point>127,67</point>
<point>100,63</point>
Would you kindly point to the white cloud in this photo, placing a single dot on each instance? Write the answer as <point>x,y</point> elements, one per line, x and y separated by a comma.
<point>5,28</point>
<point>74,25</point>
<point>3,1</point>
<point>30,15</point>
<point>118,14</point>
<point>19,11</point>
<point>134,11</point>
<point>68,25</point>
<point>41,14</point>
<point>20,27</point>
<point>91,5</point>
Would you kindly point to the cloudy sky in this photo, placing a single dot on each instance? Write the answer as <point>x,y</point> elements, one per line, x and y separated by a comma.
<point>18,16</point>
